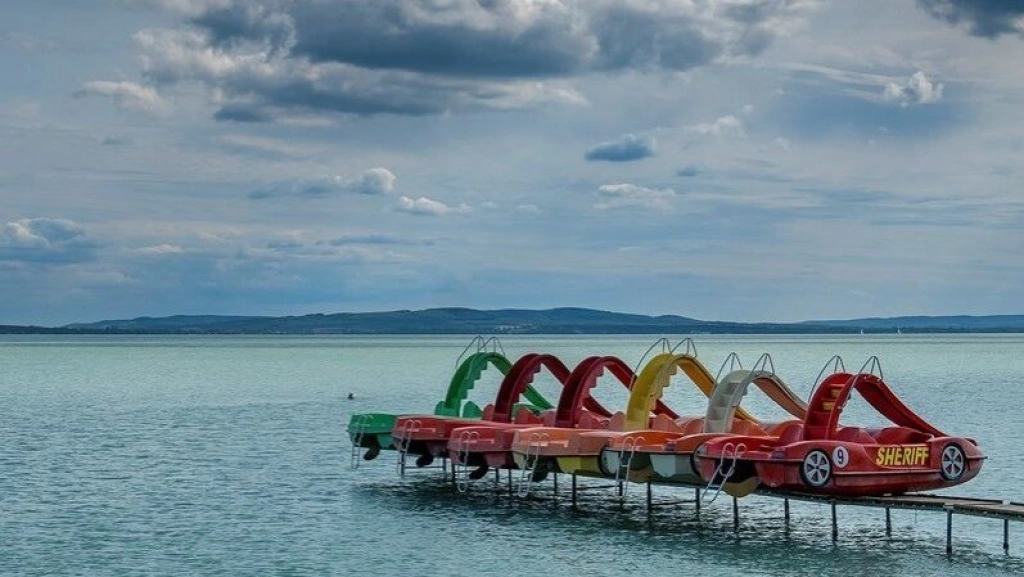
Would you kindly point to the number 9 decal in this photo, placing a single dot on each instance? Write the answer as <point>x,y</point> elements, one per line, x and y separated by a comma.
<point>841,457</point>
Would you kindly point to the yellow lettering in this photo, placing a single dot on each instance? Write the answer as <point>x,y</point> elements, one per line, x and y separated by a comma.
<point>901,456</point>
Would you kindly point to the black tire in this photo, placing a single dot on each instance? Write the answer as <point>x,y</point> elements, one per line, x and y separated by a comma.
<point>816,469</point>
<point>952,462</point>
<point>424,460</point>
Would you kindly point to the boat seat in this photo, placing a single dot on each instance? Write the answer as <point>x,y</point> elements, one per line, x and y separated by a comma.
<point>747,428</point>
<point>527,417</point>
<point>899,436</point>
<point>689,425</point>
<point>776,429</point>
<point>547,418</point>
<point>791,432</point>
<point>664,423</point>
<point>855,435</point>
<point>589,420</point>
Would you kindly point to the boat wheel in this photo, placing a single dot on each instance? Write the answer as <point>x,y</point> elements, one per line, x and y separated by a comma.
<point>816,469</point>
<point>953,463</point>
<point>424,460</point>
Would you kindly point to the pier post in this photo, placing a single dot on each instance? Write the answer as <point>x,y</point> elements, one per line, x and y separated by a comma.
<point>735,515</point>
<point>650,498</point>
<point>785,511</point>
<point>1006,535</point>
<point>555,483</point>
<point>574,490</point>
<point>510,494</point>
<point>949,530</point>
<point>835,522</point>
<point>696,502</point>
<point>888,523</point>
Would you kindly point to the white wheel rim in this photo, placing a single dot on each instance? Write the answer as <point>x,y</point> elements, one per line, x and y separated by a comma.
<point>952,462</point>
<point>817,468</point>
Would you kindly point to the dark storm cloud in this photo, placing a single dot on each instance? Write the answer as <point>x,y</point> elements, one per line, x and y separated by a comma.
<point>242,113</point>
<point>627,148</point>
<point>988,18</point>
<point>423,37</point>
<point>419,57</point>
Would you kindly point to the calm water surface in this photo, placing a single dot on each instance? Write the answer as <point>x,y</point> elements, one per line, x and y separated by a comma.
<point>226,456</point>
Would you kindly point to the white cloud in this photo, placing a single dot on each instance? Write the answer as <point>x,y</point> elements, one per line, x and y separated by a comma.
<point>378,180</point>
<point>375,181</point>
<point>45,240</point>
<point>632,195</point>
<point>159,250</point>
<point>727,125</point>
<point>528,208</point>
<point>428,207</point>
<point>917,89</point>
<point>126,94</point>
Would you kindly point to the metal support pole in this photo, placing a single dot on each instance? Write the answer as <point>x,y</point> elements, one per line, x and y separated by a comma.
<point>949,531</point>
<point>444,469</point>
<point>455,481</point>
<point>835,522</point>
<point>735,514</point>
<point>888,522</point>
<point>785,511</point>
<point>650,498</point>
<point>574,490</point>
<point>1006,535</point>
<point>555,482</point>
<point>497,476</point>
<point>510,494</point>
<point>696,501</point>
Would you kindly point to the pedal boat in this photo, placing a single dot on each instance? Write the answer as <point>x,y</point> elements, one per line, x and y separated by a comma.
<point>822,457</point>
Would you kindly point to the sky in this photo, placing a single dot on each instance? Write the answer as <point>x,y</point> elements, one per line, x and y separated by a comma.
<point>748,160</point>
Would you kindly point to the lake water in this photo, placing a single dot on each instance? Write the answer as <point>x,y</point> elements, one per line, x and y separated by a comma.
<point>227,456</point>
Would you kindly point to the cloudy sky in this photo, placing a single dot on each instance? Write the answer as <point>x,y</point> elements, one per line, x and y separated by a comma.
<point>722,159</point>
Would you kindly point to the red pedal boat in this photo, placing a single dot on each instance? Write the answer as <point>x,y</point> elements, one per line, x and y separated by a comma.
<point>820,456</point>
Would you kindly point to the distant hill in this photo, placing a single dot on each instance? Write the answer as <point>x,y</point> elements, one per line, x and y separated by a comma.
<point>950,323</point>
<point>514,321</point>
